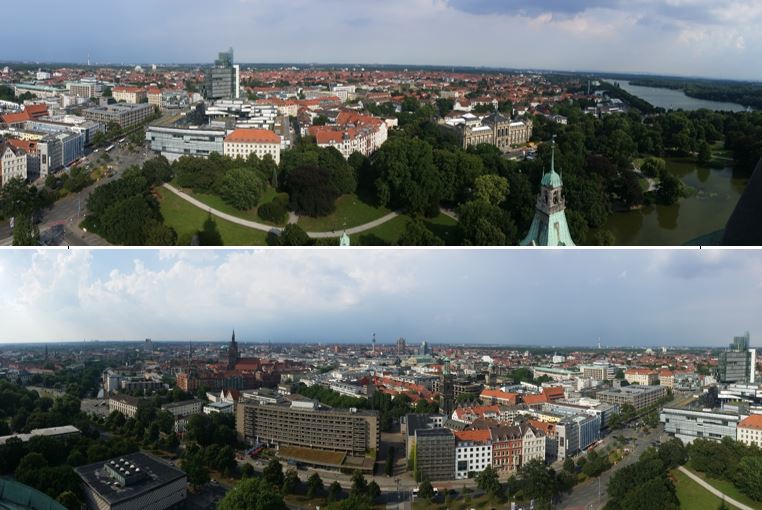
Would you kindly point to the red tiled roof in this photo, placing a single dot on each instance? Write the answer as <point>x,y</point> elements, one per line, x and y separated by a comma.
<point>473,435</point>
<point>537,398</point>
<point>554,392</point>
<point>752,422</point>
<point>25,145</point>
<point>125,88</point>
<point>15,118</point>
<point>640,371</point>
<point>252,136</point>
<point>36,110</point>
<point>499,394</point>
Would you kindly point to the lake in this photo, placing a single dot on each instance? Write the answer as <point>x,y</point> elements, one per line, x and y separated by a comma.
<point>707,210</point>
<point>676,99</point>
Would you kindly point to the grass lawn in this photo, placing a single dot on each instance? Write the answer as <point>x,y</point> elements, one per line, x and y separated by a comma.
<point>728,488</point>
<point>694,496</point>
<point>389,233</point>
<point>187,220</point>
<point>459,504</point>
<point>350,212</point>
<point>216,202</point>
<point>302,501</point>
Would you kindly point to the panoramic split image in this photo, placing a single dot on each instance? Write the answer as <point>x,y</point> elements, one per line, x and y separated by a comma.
<point>364,124</point>
<point>342,379</point>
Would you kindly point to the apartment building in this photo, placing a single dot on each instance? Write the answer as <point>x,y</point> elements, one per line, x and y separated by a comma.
<point>507,447</point>
<point>473,452</point>
<point>303,423</point>
<point>641,376</point>
<point>749,430</point>
<point>638,397</point>
<point>666,378</point>
<point>243,142</point>
<point>352,132</point>
<point>130,95</point>
<point>498,397</point>
<point>182,411</point>
<point>532,444</point>
<point>13,163</point>
<point>153,95</point>
<point>598,372</point>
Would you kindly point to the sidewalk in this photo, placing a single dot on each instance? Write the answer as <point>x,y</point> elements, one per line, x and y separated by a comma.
<point>711,489</point>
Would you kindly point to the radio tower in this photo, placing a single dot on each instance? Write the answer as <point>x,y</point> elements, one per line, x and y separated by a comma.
<point>374,343</point>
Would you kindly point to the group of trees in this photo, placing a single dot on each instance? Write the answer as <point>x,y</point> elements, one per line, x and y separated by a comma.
<point>126,212</point>
<point>645,485</point>
<point>730,460</point>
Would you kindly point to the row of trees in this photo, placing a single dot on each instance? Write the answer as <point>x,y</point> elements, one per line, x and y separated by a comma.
<point>730,460</point>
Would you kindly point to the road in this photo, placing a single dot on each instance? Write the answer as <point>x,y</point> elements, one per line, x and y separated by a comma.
<point>586,495</point>
<point>60,222</point>
<point>276,230</point>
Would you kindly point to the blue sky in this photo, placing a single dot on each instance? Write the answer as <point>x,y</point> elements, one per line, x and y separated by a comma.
<point>535,297</point>
<point>715,38</point>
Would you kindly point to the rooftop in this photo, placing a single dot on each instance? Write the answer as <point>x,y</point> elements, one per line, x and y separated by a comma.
<point>252,136</point>
<point>752,422</point>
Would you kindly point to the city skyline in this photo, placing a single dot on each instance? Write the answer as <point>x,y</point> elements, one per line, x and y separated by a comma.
<point>690,38</point>
<point>530,298</point>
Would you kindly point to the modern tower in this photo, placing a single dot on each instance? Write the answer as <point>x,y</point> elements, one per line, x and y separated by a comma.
<point>549,227</point>
<point>232,353</point>
<point>374,343</point>
<point>738,363</point>
<point>223,80</point>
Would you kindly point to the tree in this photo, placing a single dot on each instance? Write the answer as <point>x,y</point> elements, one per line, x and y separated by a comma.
<point>273,473</point>
<point>290,482</point>
<point>748,477</point>
<point>653,167</point>
<point>334,491</point>
<point>311,191</point>
<point>359,483</point>
<point>209,235</point>
<point>704,155</point>
<point>493,189</point>
<point>373,490</point>
<point>488,481</point>
<point>569,465</point>
<point>294,235</point>
<point>195,468</point>
<point>241,188</point>
<point>70,500</point>
<point>538,481</point>
<point>669,188</point>
<point>25,231</point>
<point>252,494</point>
<point>484,224</point>
<point>425,490</point>
<point>417,234</point>
<point>315,485</point>
<point>275,211</point>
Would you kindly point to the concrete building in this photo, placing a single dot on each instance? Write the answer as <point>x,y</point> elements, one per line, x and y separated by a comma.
<point>638,397</point>
<point>641,376</point>
<point>125,404</point>
<point>130,95</point>
<point>738,363</point>
<point>435,453</point>
<point>182,411</point>
<point>61,432</point>
<point>86,89</point>
<point>174,142</point>
<point>557,374</point>
<point>749,430</point>
<point>304,424</point>
<point>692,422</point>
<point>126,115</point>
<point>577,433</point>
<point>223,80</point>
<point>219,408</point>
<point>666,378</point>
<point>243,142</point>
<point>598,372</point>
<point>136,480</point>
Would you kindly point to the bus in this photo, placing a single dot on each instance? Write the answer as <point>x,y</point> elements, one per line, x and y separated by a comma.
<point>108,149</point>
<point>122,140</point>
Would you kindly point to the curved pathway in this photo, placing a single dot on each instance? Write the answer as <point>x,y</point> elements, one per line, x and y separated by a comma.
<point>711,489</point>
<point>277,230</point>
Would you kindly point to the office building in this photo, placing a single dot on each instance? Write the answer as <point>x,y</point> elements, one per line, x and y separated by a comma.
<point>86,89</point>
<point>241,143</point>
<point>598,372</point>
<point>642,376</point>
<point>182,411</point>
<point>172,142</point>
<point>223,80</point>
<point>435,453</point>
<point>738,363</point>
<point>303,424</point>
<point>576,433</point>
<point>749,430</point>
<point>125,115</point>
<point>638,397</point>
<point>554,373</point>
<point>693,421</point>
<point>125,404</point>
<point>136,480</point>
<point>473,452</point>
<point>61,432</point>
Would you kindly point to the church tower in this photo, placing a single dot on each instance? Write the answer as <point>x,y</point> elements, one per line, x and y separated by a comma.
<point>232,353</point>
<point>447,398</point>
<point>549,227</point>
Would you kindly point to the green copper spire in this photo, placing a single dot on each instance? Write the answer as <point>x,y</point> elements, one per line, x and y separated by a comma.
<point>552,179</point>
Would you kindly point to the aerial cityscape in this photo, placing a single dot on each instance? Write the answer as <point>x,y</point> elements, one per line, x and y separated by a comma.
<point>381,255</point>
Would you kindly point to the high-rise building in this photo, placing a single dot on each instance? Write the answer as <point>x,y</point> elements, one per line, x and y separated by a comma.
<point>738,363</point>
<point>401,347</point>
<point>549,227</point>
<point>223,80</point>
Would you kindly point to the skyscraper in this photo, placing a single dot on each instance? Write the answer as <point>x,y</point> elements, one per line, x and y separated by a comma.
<point>223,81</point>
<point>549,227</point>
<point>738,363</point>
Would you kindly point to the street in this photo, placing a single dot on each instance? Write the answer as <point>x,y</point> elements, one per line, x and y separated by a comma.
<point>59,224</point>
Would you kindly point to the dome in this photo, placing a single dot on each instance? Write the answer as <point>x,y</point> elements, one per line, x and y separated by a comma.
<point>551,180</point>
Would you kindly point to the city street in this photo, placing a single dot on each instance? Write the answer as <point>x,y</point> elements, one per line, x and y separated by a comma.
<point>59,224</point>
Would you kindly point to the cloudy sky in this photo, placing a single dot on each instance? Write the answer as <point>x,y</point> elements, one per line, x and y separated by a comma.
<point>625,297</point>
<point>715,38</point>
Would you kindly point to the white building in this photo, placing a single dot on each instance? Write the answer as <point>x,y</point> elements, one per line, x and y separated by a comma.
<point>532,445</point>
<point>182,411</point>
<point>261,142</point>
<point>13,164</point>
<point>473,452</point>
<point>749,430</point>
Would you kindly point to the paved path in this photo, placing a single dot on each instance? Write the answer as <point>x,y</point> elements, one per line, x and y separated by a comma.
<point>714,491</point>
<point>277,230</point>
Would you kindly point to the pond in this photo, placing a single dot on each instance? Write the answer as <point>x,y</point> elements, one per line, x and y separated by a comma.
<point>676,99</point>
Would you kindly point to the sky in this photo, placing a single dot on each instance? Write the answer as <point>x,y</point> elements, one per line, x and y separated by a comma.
<point>506,297</point>
<point>712,38</point>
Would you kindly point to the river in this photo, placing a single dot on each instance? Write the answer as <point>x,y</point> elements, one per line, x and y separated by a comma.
<point>670,99</point>
<point>705,211</point>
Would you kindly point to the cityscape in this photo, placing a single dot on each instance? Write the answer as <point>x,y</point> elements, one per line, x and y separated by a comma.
<point>381,255</point>
<point>370,395</point>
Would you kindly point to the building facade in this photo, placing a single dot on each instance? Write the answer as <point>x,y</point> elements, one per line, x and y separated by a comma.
<point>125,115</point>
<point>638,397</point>
<point>749,430</point>
<point>174,142</point>
<point>691,423</point>
<point>641,376</point>
<point>473,452</point>
<point>13,164</point>
<point>130,95</point>
<point>241,143</point>
<point>435,453</point>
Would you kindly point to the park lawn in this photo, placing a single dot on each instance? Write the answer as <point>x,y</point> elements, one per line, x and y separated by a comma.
<point>728,488</point>
<point>216,202</point>
<point>482,501</point>
<point>694,496</point>
<point>187,220</point>
<point>350,212</point>
<point>389,233</point>
<point>303,502</point>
